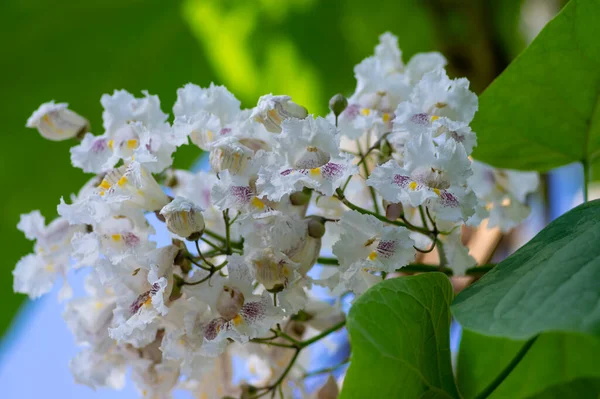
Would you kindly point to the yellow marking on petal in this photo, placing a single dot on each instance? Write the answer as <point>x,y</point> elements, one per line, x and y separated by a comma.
<point>257,203</point>
<point>365,111</point>
<point>148,302</point>
<point>506,202</point>
<point>116,237</point>
<point>274,115</point>
<point>373,255</point>
<point>204,395</point>
<point>111,144</point>
<point>209,135</point>
<point>102,193</point>
<point>237,320</point>
<point>131,144</point>
<point>98,305</point>
<point>105,185</point>
<point>46,119</point>
<point>315,171</point>
<point>122,181</point>
<point>413,185</point>
<point>49,268</point>
<point>437,191</point>
<point>144,393</point>
<point>386,117</point>
<point>434,118</point>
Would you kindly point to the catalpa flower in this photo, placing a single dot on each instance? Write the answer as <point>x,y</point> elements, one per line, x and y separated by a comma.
<point>135,129</point>
<point>367,244</point>
<point>504,193</point>
<point>142,297</point>
<point>205,114</point>
<point>272,110</point>
<point>307,155</point>
<point>35,273</point>
<point>134,185</point>
<point>431,176</point>
<point>383,81</point>
<point>57,122</point>
<point>237,313</point>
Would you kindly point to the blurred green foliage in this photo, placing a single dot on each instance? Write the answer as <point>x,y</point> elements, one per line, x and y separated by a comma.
<point>74,51</point>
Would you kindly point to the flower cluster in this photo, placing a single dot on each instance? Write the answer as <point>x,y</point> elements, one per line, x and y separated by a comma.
<point>386,176</point>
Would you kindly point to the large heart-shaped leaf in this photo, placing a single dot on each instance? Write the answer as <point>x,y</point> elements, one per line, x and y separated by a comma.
<point>554,359</point>
<point>543,111</point>
<point>550,284</point>
<point>399,331</point>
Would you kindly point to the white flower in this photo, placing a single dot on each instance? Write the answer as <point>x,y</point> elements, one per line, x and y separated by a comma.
<point>229,154</point>
<point>35,273</point>
<point>307,155</point>
<point>88,318</point>
<point>272,110</point>
<point>504,193</point>
<point>438,95</point>
<point>135,129</point>
<point>183,218</point>
<point>99,369</point>
<point>134,185</point>
<point>383,81</point>
<point>204,114</point>
<point>142,297</point>
<point>56,122</point>
<point>122,108</point>
<point>237,313</point>
<point>367,243</point>
<point>434,177</point>
<point>156,380</point>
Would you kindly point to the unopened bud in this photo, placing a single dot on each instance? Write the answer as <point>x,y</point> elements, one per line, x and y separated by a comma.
<point>385,148</point>
<point>184,218</point>
<point>338,104</point>
<point>316,227</point>
<point>272,110</point>
<point>57,123</point>
<point>230,302</point>
<point>393,210</point>
<point>171,178</point>
<point>330,390</point>
<point>299,198</point>
<point>231,156</point>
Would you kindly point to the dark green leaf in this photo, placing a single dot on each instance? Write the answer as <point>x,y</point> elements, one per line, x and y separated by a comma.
<point>554,359</point>
<point>581,388</point>
<point>399,330</point>
<point>543,111</point>
<point>550,284</point>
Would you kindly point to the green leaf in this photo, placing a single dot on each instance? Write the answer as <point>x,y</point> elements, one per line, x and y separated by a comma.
<point>550,284</point>
<point>554,359</point>
<point>399,330</point>
<point>543,111</point>
<point>581,388</point>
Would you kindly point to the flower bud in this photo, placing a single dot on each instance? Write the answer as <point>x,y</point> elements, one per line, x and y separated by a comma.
<point>57,123</point>
<point>299,198</point>
<point>184,218</point>
<point>272,271</point>
<point>272,110</point>
<point>338,104</point>
<point>230,155</point>
<point>393,210</point>
<point>330,390</point>
<point>316,227</point>
<point>230,302</point>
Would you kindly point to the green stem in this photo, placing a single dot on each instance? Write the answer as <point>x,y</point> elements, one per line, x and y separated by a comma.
<point>442,254</point>
<point>586,179</point>
<point>326,370</point>
<point>234,244</point>
<point>325,333</point>
<point>507,370</point>
<point>341,197</point>
<point>366,170</point>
